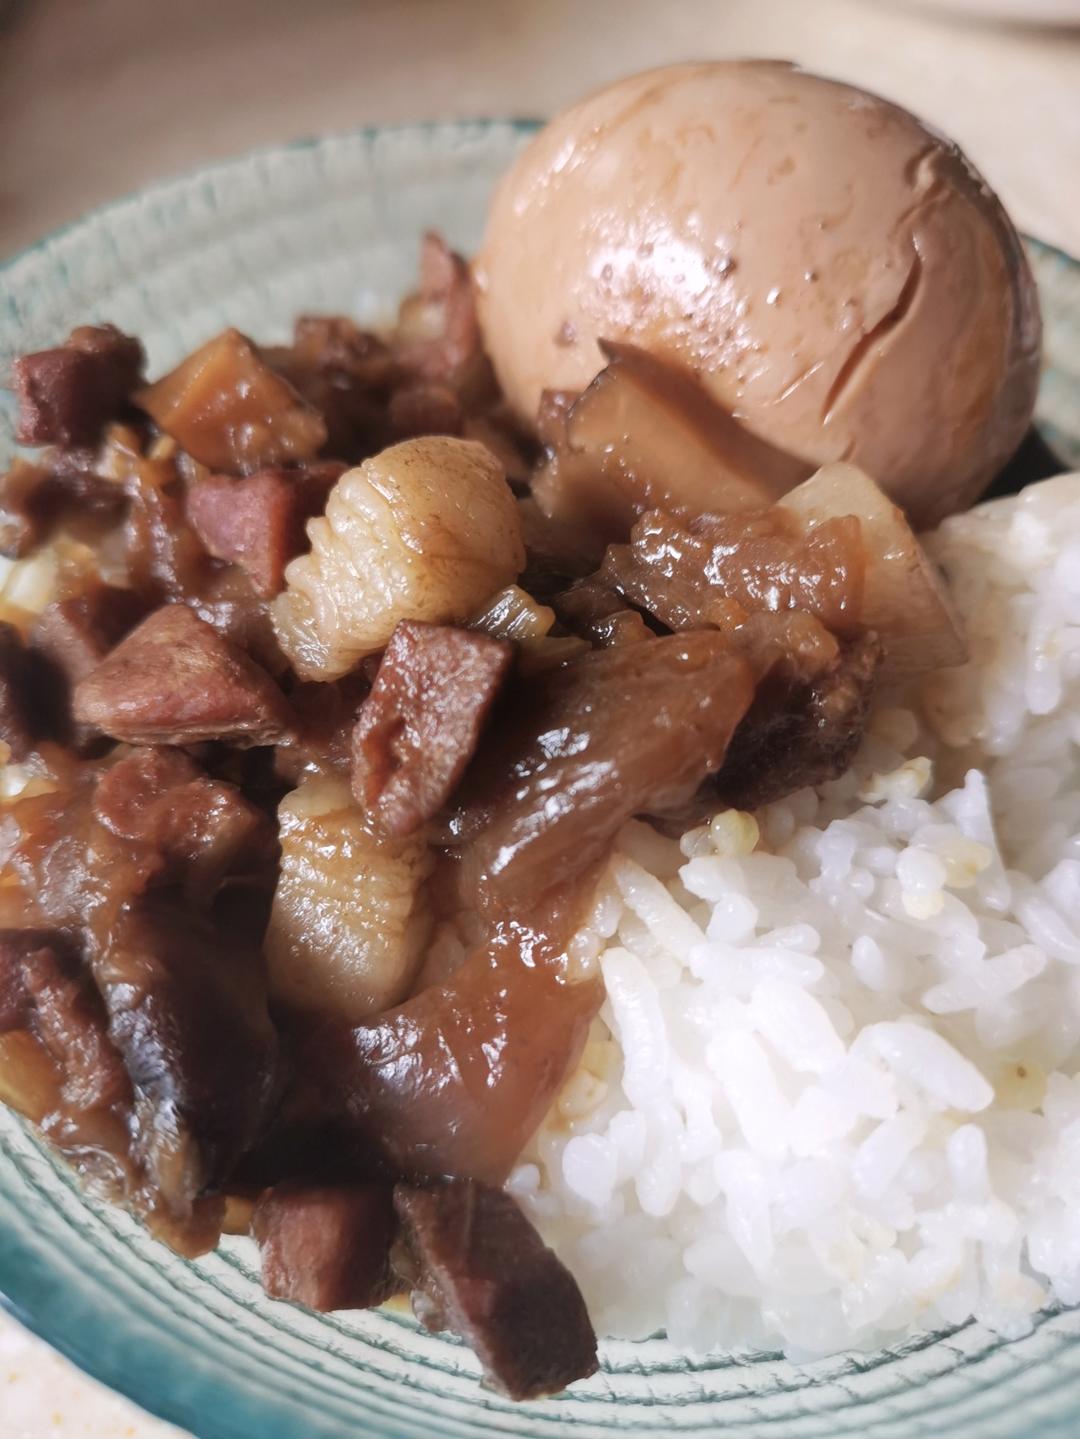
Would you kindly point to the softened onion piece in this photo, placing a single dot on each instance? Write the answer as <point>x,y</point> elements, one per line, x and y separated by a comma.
<point>426,530</point>
<point>904,600</point>
<point>513,614</point>
<point>347,926</point>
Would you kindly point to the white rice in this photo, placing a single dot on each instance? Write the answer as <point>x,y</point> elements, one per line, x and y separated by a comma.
<point>833,1093</point>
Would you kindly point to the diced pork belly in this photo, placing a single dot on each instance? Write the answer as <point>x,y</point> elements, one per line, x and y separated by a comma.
<point>258,522</point>
<point>420,725</point>
<point>479,1268</point>
<point>205,830</point>
<point>175,680</point>
<point>67,395</point>
<point>327,1247</point>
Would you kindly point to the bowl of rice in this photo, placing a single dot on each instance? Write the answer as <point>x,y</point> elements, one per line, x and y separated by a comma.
<point>818,1170</point>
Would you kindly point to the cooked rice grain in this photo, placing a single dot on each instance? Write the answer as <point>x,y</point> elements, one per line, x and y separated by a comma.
<point>833,1093</point>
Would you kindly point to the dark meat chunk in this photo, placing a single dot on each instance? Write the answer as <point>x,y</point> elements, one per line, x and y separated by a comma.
<point>14,1001</point>
<point>258,522</point>
<point>229,604</point>
<point>558,553</point>
<point>439,332</point>
<point>600,615</point>
<point>792,647</point>
<point>45,990</point>
<point>76,634</point>
<point>230,411</point>
<point>800,732</point>
<point>419,727</point>
<point>479,1269</point>
<point>64,487</point>
<point>183,985</point>
<point>164,557</point>
<point>72,637</point>
<point>346,374</point>
<point>425,409</point>
<point>514,448</point>
<point>51,844</point>
<point>58,403</point>
<point>327,1248</point>
<point>206,831</point>
<point>336,344</point>
<point>70,1020</point>
<point>68,394</point>
<point>22,695</point>
<point>24,508</point>
<point>175,680</point>
<point>187,1010</point>
<point>326,718</point>
<point>718,569</point>
<point>16,947</point>
<point>166,561</point>
<point>619,732</point>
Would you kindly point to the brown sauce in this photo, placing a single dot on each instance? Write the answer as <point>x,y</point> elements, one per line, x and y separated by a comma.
<point>699,659</point>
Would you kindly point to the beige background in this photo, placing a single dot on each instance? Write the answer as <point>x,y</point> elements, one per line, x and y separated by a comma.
<point>97,97</point>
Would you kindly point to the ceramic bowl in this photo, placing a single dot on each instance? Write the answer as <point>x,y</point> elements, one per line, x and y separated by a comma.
<point>334,225</point>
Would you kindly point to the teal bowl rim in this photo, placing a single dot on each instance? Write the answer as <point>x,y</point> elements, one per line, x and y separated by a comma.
<point>144,1365</point>
<point>523,124</point>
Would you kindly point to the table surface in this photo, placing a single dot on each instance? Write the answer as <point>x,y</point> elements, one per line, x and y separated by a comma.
<point>98,97</point>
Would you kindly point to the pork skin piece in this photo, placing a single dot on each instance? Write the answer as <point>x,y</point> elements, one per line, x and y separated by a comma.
<point>625,731</point>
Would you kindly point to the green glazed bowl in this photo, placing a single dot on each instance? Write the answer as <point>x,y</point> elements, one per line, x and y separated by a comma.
<point>334,225</point>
